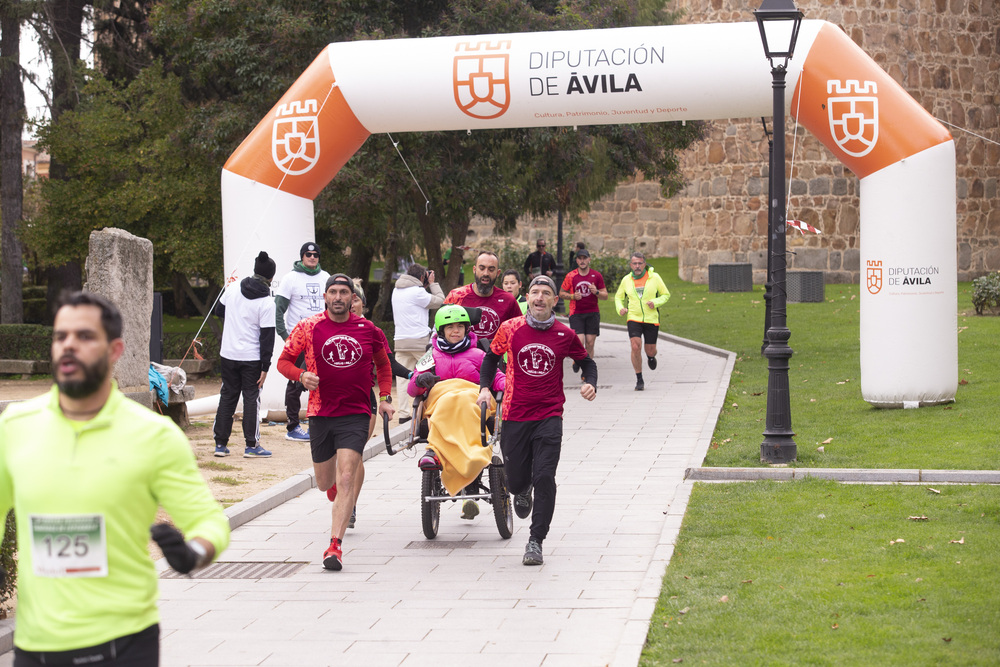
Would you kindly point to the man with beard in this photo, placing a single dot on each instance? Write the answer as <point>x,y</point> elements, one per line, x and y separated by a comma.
<point>245,355</point>
<point>85,468</point>
<point>532,409</point>
<point>497,306</point>
<point>340,351</point>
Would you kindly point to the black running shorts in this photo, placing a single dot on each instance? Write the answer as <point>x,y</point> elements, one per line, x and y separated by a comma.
<point>328,434</point>
<point>643,330</point>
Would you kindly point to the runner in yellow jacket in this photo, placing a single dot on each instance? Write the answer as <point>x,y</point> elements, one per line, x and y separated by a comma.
<point>85,468</point>
<point>639,296</point>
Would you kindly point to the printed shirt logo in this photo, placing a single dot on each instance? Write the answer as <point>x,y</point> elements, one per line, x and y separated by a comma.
<point>482,81</point>
<point>853,117</point>
<point>488,323</point>
<point>536,359</point>
<point>341,351</point>
<point>295,137</point>
<point>313,298</point>
<point>585,288</point>
<point>874,278</point>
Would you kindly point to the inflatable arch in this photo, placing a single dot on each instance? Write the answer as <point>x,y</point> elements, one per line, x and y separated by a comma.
<point>905,159</point>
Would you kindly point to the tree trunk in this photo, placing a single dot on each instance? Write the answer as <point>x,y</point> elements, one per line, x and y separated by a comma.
<point>380,312</point>
<point>202,306</point>
<point>459,230</point>
<point>11,183</point>
<point>180,296</point>
<point>360,264</point>
<point>65,278</point>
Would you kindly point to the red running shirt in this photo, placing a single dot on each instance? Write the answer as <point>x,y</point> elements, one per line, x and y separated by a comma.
<point>498,307</point>
<point>587,287</point>
<point>535,368</point>
<point>343,355</point>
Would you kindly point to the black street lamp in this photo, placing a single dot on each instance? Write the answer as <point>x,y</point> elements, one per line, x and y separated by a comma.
<point>767,274</point>
<point>779,22</point>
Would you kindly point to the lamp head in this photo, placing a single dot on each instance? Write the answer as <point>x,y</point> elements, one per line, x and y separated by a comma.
<point>779,22</point>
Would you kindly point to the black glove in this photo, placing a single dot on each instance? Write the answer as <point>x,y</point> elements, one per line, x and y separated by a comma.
<point>179,555</point>
<point>426,380</point>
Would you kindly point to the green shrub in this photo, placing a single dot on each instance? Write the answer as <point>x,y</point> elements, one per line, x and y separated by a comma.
<point>31,342</point>
<point>986,292</point>
<point>612,268</point>
<point>8,560</point>
<point>175,345</point>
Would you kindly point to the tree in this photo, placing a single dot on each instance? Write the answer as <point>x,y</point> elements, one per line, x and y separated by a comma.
<point>11,180</point>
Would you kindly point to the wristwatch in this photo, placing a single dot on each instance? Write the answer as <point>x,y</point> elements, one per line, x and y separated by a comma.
<point>387,398</point>
<point>199,551</point>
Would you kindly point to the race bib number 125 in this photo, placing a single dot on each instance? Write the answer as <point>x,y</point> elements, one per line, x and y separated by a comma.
<point>69,545</point>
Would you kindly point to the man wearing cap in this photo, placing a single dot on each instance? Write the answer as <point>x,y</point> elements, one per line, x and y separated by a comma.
<point>340,350</point>
<point>582,287</point>
<point>497,306</point>
<point>299,295</point>
<point>247,343</point>
<point>531,438</point>
<point>415,295</point>
<point>539,262</point>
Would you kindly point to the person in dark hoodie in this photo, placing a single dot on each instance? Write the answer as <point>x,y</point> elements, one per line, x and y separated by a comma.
<point>247,344</point>
<point>297,296</point>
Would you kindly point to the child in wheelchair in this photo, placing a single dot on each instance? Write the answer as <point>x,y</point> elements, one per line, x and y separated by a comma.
<point>449,376</point>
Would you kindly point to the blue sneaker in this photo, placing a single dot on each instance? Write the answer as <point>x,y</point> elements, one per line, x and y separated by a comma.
<point>257,452</point>
<point>297,434</point>
<point>221,450</point>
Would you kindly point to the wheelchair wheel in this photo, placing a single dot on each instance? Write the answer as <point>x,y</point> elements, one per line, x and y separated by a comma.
<point>502,509</point>
<point>430,510</point>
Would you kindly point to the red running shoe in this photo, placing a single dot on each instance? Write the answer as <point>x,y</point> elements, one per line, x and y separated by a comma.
<point>333,557</point>
<point>331,493</point>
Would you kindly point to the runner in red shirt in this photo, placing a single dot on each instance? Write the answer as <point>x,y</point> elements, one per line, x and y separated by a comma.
<point>497,306</point>
<point>340,351</point>
<point>533,404</point>
<point>582,287</point>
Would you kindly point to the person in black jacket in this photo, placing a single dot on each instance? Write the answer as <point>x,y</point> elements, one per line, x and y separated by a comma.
<point>539,262</point>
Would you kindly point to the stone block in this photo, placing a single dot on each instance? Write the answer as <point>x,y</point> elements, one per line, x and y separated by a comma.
<point>964,256</point>
<point>720,186</point>
<point>841,278</point>
<point>835,259</point>
<point>17,366</point>
<point>811,258</point>
<point>819,186</point>
<point>652,214</point>
<point>758,260</point>
<point>120,268</point>
<point>852,259</point>
<point>647,191</point>
<point>667,246</point>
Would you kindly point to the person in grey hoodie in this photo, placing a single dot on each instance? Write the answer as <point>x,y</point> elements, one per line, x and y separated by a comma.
<point>247,343</point>
<point>415,296</point>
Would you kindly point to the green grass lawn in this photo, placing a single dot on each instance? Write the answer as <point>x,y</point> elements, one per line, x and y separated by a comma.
<point>818,573</point>
<point>824,377</point>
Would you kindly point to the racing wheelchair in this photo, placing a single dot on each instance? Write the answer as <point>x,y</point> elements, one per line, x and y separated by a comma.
<point>492,489</point>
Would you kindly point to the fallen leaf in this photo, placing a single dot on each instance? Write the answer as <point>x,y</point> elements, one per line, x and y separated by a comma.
<point>684,610</point>
<point>963,381</point>
<point>919,579</point>
<point>820,449</point>
<point>736,405</point>
<point>812,400</point>
<point>933,490</point>
<point>947,639</point>
<point>919,518</point>
<point>834,626</point>
<point>724,598</point>
<point>841,383</point>
<point>677,660</point>
<point>961,541</point>
<point>827,441</point>
<point>747,581</point>
<point>896,541</point>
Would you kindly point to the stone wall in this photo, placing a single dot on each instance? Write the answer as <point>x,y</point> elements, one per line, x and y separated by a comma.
<point>945,53</point>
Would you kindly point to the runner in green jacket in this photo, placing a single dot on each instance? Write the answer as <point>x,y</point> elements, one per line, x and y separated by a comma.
<point>639,296</point>
<point>85,468</point>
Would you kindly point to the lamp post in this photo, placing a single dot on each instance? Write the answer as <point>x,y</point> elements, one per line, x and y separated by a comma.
<point>779,22</point>
<point>767,274</point>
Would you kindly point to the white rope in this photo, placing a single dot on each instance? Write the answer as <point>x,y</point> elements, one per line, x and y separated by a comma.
<point>395,144</point>
<point>795,139</point>
<point>979,136</point>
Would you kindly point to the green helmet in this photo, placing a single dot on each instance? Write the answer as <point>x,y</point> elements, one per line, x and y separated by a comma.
<point>451,314</point>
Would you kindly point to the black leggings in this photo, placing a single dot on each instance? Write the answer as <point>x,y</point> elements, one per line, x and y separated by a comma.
<point>531,455</point>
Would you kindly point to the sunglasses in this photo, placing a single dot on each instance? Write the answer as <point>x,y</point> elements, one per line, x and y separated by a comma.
<point>312,254</point>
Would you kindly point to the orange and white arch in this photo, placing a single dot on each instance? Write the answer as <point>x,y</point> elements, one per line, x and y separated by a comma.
<point>905,159</point>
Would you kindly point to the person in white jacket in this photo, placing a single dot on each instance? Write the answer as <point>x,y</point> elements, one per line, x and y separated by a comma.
<point>416,294</point>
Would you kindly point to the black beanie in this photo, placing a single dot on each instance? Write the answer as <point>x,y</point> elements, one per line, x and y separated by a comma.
<point>308,247</point>
<point>264,266</point>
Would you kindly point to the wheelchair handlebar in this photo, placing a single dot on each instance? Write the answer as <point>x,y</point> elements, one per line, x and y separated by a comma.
<point>385,433</point>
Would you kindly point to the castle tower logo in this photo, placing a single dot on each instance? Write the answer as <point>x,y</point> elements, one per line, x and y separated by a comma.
<point>874,277</point>
<point>481,78</point>
<point>295,137</point>
<point>853,115</point>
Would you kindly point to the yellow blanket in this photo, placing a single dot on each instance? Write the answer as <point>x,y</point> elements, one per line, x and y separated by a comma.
<point>454,421</point>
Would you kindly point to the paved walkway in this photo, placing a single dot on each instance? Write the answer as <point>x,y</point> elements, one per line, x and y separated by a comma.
<point>405,600</point>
